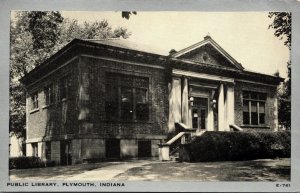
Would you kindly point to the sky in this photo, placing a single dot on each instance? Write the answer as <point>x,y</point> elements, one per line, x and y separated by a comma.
<point>244,35</point>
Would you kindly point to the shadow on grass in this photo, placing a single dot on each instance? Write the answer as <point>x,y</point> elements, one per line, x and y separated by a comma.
<point>255,170</point>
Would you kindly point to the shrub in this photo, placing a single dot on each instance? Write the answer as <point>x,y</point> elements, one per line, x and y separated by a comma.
<point>49,163</point>
<point>28,162</point>
<point>234,146</point>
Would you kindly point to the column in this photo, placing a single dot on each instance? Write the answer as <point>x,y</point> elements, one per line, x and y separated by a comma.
<point>174,103</point>
<point>41,150</point>
<point>276,113</point>
<point>210,118</point>
<point>185,102</point>
<point>230,106</point>
<point>29,151</point>
<point>226,125</point>
<point>221,108</point>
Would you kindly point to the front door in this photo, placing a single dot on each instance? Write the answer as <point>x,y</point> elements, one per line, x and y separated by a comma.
<point>199,113</point>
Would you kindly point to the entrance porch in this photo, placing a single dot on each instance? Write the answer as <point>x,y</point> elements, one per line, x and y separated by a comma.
<point>201,101</point>
<point>198,102</point>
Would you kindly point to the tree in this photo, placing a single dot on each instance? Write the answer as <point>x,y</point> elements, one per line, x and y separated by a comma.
<point>127,14</point>
<point>282,24</point>
<point>34,37</point>
<point>44,27</point>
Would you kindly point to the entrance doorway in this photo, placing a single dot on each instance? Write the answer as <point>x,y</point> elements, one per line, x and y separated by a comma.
<point>65,153</point>
<point>199,113</point>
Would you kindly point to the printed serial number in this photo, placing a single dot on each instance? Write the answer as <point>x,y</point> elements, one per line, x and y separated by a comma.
<point>283,185</point>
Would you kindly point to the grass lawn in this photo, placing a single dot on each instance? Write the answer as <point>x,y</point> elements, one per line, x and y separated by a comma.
<point>150,170</point>
<point>255,170</point>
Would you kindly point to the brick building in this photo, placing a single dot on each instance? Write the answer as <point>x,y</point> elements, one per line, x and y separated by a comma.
<point>100,99</point>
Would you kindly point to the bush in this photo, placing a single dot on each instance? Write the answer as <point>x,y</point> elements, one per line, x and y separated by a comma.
<point>237,146</point>
<point>28,162</point>
<point>49,163</point>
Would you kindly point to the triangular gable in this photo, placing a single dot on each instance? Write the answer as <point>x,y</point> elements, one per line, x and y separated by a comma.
<point>200,50</point>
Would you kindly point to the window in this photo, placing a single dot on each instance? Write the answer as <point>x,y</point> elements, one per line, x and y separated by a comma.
<point>126,97</point>
<point>34,149</point>
<point>64,87</point>
<point>126,103</point>
<point>142,110</point>
<point>34,101</point>
<point>111,105</point>
<point>254,108</point>
<point>49,95</point>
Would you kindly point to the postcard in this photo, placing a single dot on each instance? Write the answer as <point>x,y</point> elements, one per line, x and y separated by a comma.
<point>160,98</point>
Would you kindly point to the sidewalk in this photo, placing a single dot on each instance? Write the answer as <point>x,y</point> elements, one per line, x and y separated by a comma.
<point>93,171</point>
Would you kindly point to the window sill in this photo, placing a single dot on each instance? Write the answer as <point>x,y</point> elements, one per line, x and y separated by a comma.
<point>256,126</point>
<point>34,110</point>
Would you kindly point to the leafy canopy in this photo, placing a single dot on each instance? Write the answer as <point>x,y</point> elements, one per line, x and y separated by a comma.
<point>282,24</point>
<point>34,37</point>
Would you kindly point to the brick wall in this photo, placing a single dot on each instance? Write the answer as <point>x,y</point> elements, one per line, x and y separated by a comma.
<point>271,105</point>
<point>93,100</point>
<point>58,118</point>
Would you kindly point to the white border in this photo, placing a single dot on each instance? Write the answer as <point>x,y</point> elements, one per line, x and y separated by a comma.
<point>147,5</point>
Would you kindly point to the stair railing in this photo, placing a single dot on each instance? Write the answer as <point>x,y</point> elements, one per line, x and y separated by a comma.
<point>235,127</point>
<point>169,148</point>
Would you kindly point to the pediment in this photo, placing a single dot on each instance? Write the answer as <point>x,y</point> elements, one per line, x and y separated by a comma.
<point>208,52</point>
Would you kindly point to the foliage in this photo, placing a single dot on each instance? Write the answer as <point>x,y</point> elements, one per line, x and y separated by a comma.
<point>127,14</point>
<point>29,162</point>
<point>17,109</point>
<point>234,146</point>
<point>44,27</point>
<point>34,37</point>
<point>282,24</point>
<point>284,101</point>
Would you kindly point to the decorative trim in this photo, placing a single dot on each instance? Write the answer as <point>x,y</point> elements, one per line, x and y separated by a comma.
<point>215,45</point>
<point>122,61</point>
<point>202,75</point>
<point>66,63</point>
<point>203,86</point>
<point>253,82</point>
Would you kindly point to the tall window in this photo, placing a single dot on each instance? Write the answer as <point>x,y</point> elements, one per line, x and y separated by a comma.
<point>49,94</point>
<point>126,97</point>
<point>34,101</point>
<point>64,87</point>
<point>254,108</point>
